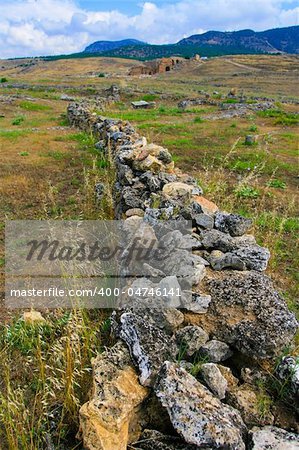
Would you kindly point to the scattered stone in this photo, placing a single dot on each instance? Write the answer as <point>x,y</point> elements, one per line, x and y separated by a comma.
<point>272,438</point>
<point>99,191</point>
<point>33,317</point>
<point>67,98</point>
<point>250,139</point>
<point>234,224</point>
<point>105,419</point>
<point>216,351</point>
<point>190,339</point>
<point>214,379</point>
<point>143,105</point>
<point>199,417</point>
<point>149,346</point>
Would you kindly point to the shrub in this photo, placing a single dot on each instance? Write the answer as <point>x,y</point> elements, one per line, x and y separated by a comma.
<point>18,120</point>
<point>3,80</point>
<point>101,75</point>
<point>247,192</point>
<point>279,184</point>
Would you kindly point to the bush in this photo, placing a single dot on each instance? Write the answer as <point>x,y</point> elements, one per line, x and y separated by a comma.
<point>18,120</point>
<point>101,75</point>
<point>3,80</point>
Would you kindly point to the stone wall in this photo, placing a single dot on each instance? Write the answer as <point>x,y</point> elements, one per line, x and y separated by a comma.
<point>235,320</point>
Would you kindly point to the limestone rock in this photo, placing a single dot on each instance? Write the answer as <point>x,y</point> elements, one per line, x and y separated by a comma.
<point>33,317</point>
<point>178,190</point>
<point>135,212</point>
<point>206,205</point>
<point>247,400</point>
<point>232,381</point>
<point>199,303</point>
<point>216,351</point>
<point>116,392</point>
<point>287,373</point>
<point>199,417</point>
<point>246,312</point>
<point>273,438</point>
<point>154,440</point>
<point>205,221</point>
<point>214,379</point>
<point>149,346</point>
<point>190,339</point>
<point>167,319</point>
<point>220,261</point>
<point>234,224</point>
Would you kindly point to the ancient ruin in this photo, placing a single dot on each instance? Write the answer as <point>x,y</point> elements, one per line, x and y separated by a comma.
<point>157,66</point>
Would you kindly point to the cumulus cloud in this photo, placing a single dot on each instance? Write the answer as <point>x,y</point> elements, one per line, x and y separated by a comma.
<point>46,27</point>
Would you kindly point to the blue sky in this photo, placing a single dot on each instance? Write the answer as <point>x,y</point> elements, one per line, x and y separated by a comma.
<point>47,27</point>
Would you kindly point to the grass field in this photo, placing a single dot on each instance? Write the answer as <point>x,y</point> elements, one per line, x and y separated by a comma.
<point>48,170</point>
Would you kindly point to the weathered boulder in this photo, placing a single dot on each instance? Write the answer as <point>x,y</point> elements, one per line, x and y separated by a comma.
<point>213,379</point>
<point>242,253</point>
<point>220,261</point>
<point>247,313</point>
<point>190,339</point>
<point>199,417</point>
<point>116,393</point>
<point>149,346</point>
<point>216,351</point>
<point>272,438</point>
<point>234,224</point>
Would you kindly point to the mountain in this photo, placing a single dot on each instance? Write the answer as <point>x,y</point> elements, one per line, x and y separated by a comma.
<point>211,43</point>
<point>270,41</point>
<point>104,46</point>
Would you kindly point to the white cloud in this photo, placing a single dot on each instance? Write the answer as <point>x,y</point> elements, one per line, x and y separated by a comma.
<point>40,27</point>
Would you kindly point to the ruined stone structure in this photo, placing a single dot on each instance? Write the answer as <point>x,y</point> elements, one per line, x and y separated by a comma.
<point>157,66</point>
<point>144,394</point>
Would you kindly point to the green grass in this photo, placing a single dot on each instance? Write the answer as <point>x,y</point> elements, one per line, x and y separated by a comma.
<point>31,106</point>
<point>57,155</point>
<point>149,97</point>
<point>12,134</point>
<point>23,153</point>
<point>282,117</point>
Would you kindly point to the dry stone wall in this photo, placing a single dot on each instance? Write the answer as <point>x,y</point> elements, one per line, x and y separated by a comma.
<point>235,313</point>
